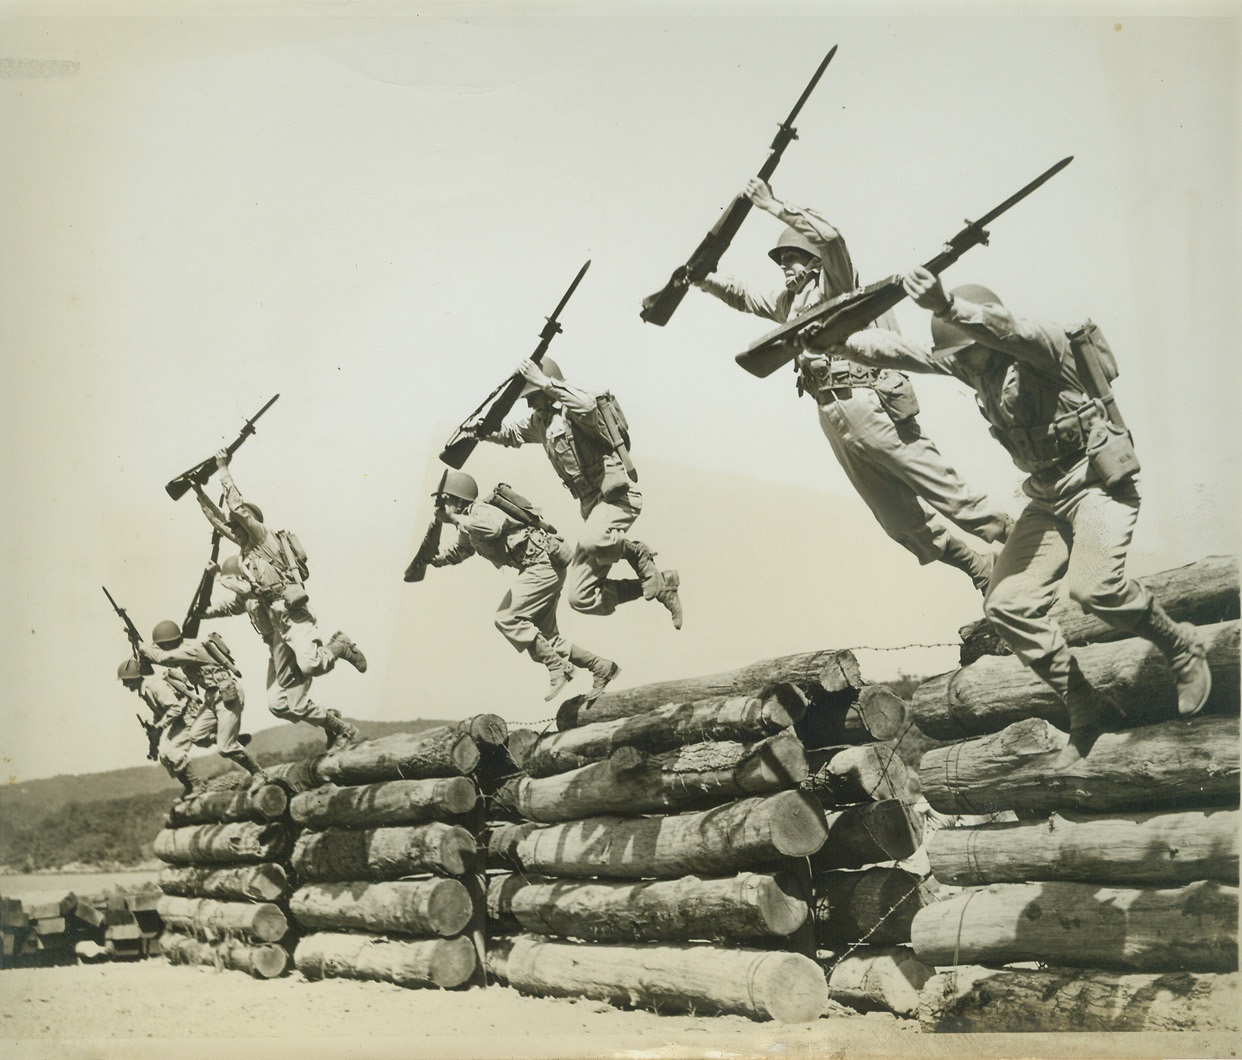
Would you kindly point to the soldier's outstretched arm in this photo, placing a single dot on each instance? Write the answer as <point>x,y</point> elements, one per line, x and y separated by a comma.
<point>218,519</point>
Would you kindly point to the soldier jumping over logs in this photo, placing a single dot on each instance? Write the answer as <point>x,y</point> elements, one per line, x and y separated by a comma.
<point>514,536</point>
<point>1045,391</point>
<point>587,442</point>
<point>173,717</point>
<point>868,417</point>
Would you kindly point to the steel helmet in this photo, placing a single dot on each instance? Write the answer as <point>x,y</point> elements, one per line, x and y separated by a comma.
<point>791,238</point>
<point>129,670</point>
<point>166,632</point>
<point>233,565</point>
<point>253,508</point>
<point>458,484</point>
<point>551,369</point>
<point>948,338</point>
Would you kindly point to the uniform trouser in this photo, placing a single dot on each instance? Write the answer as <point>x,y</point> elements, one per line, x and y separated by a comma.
<point>288,689</point>
<point>300,632</point>
<point>902,477</point>
<point>219,718</point>
<point>600,546</point>
<point>529,608</point>
<point>1073,531</point>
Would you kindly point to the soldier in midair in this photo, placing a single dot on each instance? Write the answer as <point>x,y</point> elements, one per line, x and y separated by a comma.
<point>1032,382</point>
<point>868,416</point>
<point>173,716</point>
<point>587,441</point>
<point>515,536</point>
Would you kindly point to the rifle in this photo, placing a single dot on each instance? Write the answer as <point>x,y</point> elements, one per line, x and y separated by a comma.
<point>840,317</point>
<point>459,447</point>
<point>200,473</point>
<point>153,738</point>
<point>131,631</point>
<point>430,544</point>
<point>202,595</point>
<point>659,307</point>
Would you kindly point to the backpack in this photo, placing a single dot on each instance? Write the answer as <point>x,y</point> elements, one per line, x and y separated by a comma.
<point>294,554</point>
<point>514,505</point>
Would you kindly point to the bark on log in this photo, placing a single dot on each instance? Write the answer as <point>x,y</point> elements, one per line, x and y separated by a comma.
<point>844,775</point>
<point>444,963</point>
<point>869,832</point>
<point>264,803</point>
<point>1192,928</point>
<point>262,960</point>
<point>1179,764</point>
<point>629,782</point>
<point>501,842</point>
<point>402,756</point>
<point>340,854</point>
<point>520,743</point>
<point>266,882</point>
<point>1154,849</point>
<point>235,842</point>
<point>872,712</point>
<point>209,918</point>
<point>296,776</point>
<point>746,906</point>
<point>813,673</point>
<point>994,692</point>
<point>876,905</point>
<point>740,718</point>
<point>877,977</point>
<point>749,833</point>
<point>1013,1001</point>
<point>1203,593</point>
<point>389,802</point>
<point>489,729</point>
<point>432,906</point>
<point>667,977</point>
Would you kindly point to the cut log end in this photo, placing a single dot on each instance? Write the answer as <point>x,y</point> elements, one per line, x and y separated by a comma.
<point>269,961</point>
<point>488,729</point>
<point>449,907</point>
<point>791,988</point>
<point>270,800</point>
<point>799,828</point>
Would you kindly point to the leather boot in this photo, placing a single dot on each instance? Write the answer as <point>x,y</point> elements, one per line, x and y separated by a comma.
<point>625,589</point>
<point>1092,713</point>
<point>642,559</point>
<point>1182,645</point>
<point>341,734</point>
<point>244,759</point>
<point>603,670</point>
<point>669,596</point>
<point>189,782</point>
<point>559,670</point>
<point>978,565</point>
<point>342,647</point>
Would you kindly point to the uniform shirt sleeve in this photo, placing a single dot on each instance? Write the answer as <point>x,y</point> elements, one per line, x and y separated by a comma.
<point>526,426</point>
<point>834,255</point>
<point>217,518</point>
<point>1042,347</point>
<point>188,651</point>
<point>574,400</point>
<point>230,603</point>
<point>251,527</point>
<point>774,305</point>
<point>887,349</point>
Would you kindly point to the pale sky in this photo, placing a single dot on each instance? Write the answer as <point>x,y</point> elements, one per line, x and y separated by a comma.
<point>371,216</point>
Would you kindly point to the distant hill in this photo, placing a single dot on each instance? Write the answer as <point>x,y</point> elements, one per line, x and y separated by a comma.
<point>110,819</point>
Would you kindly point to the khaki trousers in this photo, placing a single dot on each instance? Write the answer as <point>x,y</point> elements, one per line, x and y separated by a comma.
<point>529,608</point>
<point>600,546</point>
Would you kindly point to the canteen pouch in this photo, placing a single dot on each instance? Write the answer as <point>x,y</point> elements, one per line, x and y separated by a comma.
<point>1110,452</point>
<point>896,394</point>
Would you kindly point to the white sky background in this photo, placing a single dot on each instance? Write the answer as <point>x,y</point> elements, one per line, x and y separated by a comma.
<point>372,217</point>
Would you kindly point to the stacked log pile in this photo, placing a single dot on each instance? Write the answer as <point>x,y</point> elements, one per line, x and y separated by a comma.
<point>226,877</point>
<point>660,852</point>
<point>1115,890</point>
<point>387,865</point>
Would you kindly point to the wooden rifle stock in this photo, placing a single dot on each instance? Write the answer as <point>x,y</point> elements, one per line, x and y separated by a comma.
<point>658,308</point>
<point>202,595</point>
<point>417,569</point>
<point>838,318</point>
<point>201,472</point>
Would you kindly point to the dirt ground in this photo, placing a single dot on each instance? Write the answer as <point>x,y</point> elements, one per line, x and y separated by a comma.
<point>132,1011</point>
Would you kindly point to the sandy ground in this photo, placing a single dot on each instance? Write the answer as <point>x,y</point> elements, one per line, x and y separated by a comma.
<point>131,1011</point>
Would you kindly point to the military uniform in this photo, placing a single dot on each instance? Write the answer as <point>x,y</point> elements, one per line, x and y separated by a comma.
<point>896,469</point>
<point>216,681</point>
<point>1075,529</point>
<point>177,711</point>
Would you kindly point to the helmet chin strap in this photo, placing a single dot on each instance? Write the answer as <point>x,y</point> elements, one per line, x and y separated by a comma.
<point>799,281</point>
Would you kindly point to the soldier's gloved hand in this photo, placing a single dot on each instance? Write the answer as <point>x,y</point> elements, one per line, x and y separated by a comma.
<point>925,289</point>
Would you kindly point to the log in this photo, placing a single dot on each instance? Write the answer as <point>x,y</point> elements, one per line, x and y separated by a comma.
<point>520,743</point>
<point>1203,593</point>
<point>485,729</point>
<point>630,782</point>
<point>401,756</point>
<point>667,977</point>
<point>872,712</point>
<point>389,802</point>
<point>872,978</point>
<point>209,918</point>
<point>262,960</point>
<point>264,803</point>
<point>739,718</point>
<point>734,908</point>
<point>811,673</point>
<point>495,766</point>
<point>749,833</point>
<point>340,854</point>
<point>296,776</point>
<point>1015,1000</point>
<point>234,842</point>
<point>501,842</point>
<point>445,963</point>
<point>869,832</point>
<point>432,906</point>
<point>266,882</point>
<point>1141,929</point>
<point>994,692</point>
<point>844,775</point>
<point>1179,764</point>
<point>875,906</point>
<point>1155,849</point>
